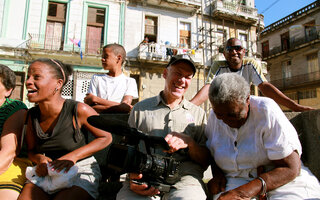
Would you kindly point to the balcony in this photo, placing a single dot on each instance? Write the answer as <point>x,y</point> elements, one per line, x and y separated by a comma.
<point>153,52</point>
<point>295,43</point>
<point>182,5</point>
<point>299,80</point>
<point>57,44</point>
<point>233,11</point>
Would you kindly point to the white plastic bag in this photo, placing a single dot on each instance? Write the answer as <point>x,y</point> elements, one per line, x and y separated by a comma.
<point>54,181</point>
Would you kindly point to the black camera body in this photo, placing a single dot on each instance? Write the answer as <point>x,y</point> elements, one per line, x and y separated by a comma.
<point>125,157</point>
<point>155,168</point>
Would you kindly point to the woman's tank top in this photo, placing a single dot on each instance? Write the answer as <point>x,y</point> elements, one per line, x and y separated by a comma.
<point>64,138</point>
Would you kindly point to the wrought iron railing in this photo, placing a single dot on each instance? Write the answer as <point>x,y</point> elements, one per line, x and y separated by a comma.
<point>43,42</point>
<point>298,80</point>
<point>20,50</point>
<point>236,8</point>
<point>187,2</point>
<point>161,52</point>
<point>294,43</point>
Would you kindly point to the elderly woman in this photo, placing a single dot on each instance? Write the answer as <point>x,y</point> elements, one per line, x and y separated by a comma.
<point>12,114</point>
<point>55,128</point>
<point>247,134</point>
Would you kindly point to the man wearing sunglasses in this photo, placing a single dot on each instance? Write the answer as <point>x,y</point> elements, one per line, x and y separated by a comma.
<point>251,71</point>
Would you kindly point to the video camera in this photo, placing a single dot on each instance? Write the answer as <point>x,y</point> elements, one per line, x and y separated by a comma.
<point>158,171</point>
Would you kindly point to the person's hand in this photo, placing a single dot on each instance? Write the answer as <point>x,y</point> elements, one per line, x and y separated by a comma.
<point>125,107</point>
<point>89,99</point>
<point>141,189</point>
<point>59,165</point>
<point>234,195</point>
<point>121,108</point>
<point>301,108</point>
<point>218,183</point>
<point>42,169</point>
<point>177,141</point>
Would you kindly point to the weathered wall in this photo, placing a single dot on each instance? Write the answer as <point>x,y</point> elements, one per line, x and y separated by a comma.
<point>307,125</point>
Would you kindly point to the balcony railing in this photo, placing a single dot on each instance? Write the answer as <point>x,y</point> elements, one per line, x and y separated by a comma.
<point>235,9</point>
<point>159,52</point>
<point>294,43</point>
<point>298,80</point>
<point>41,42</point>
<point>183,5</point>
<point>187,2</point>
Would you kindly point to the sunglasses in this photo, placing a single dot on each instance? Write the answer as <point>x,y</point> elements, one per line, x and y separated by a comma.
<point>231,48</point>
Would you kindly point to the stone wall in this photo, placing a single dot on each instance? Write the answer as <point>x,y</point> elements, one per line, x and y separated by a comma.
<point>307,125</point>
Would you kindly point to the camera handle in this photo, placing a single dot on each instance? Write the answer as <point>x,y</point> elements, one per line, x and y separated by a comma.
<point>163,188</point>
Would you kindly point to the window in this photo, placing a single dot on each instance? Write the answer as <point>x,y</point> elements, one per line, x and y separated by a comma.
<point>185,35</point>
<point>310,31</point>
<point>285,44</point>
<point>220,36</point>
<point>293,95</point>
<point>151,28</point>
<point>55,27</point>
<point>265,49</point>
<point>244,40</point>
<point>95,30</point>
<point>286,69</point>
<point>137,78</point>
<point>17,93</point>
<point>52,12</point>
<point>313,64</point>
<point>308,94</point>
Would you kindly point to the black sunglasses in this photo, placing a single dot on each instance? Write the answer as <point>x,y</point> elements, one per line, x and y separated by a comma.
<point>231,48</point>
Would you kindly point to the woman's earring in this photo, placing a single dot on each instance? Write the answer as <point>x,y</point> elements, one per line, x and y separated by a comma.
<point>55,90</point>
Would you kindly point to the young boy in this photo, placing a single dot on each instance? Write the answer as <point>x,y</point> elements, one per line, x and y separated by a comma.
<point>112,92</point>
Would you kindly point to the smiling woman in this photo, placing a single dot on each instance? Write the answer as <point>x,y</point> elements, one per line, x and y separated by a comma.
<point>55,133</point>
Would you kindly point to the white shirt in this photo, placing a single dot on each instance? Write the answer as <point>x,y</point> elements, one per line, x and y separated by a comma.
<point>266,135</point>
<point>113,88</point>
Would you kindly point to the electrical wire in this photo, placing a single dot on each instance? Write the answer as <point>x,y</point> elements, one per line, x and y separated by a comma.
<point>276,1</point>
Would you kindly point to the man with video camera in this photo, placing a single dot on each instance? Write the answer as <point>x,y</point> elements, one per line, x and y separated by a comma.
<point>182,125</point>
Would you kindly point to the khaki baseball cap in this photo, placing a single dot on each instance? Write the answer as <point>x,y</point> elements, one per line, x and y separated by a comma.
<point>183,58</point>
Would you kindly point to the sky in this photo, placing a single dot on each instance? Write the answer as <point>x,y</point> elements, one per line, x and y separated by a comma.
<point>273,10</point>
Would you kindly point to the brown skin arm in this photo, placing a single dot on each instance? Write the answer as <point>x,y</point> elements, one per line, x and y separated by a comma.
<point>10,139</point>
<point>201,96</point>
<point>124,107</point>
<point>105,106</point>
<point>271,91</point>
<point>286,170</point>
<point>197,153</point>
<point>218,182</point>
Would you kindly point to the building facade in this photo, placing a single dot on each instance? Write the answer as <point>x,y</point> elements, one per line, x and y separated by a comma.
<point>73,31</point>
<point>151,31</point>
<point>157,29</point>
<point>290,47</point>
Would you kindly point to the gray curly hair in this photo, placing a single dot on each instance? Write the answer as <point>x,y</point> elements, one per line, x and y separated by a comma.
<point>228,87</point>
